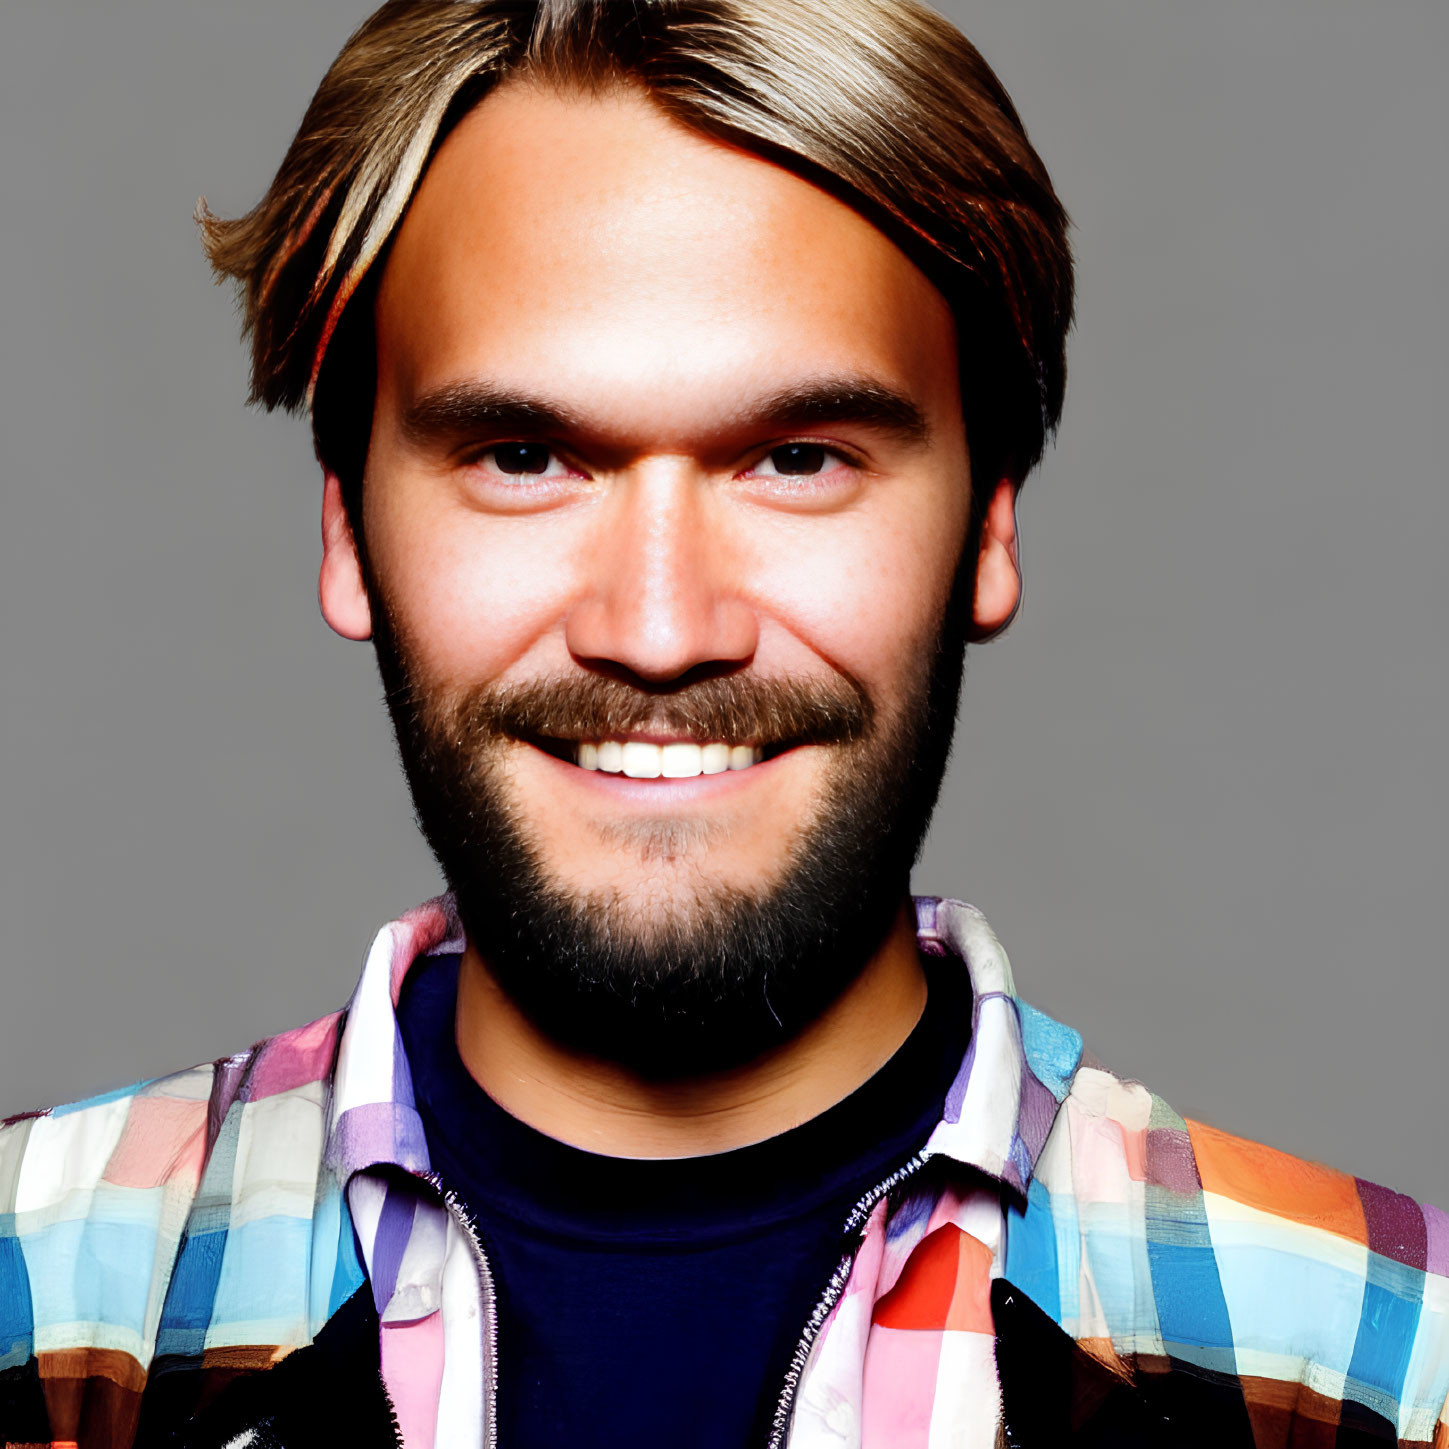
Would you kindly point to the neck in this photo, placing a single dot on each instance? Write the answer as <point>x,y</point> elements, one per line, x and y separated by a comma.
<point>604,1107</point>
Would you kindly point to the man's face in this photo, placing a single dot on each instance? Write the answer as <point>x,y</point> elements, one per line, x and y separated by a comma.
<point>667,471</point>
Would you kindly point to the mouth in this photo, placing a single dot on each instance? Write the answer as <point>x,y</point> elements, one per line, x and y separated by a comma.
<point>641,759</point>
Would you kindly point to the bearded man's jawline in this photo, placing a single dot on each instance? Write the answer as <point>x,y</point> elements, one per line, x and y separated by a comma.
<point>719,981</point>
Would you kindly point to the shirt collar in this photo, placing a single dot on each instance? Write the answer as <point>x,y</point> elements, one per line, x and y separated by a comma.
<point>1018,1066</point>
<point>997,1115</point>
<point>373,1120</point>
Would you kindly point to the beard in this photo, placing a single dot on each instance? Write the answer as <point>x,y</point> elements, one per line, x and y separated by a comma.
<point>709,977</point>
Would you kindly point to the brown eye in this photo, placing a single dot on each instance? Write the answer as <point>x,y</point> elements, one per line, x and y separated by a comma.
<point>798,460</point>
<point>531,458</point>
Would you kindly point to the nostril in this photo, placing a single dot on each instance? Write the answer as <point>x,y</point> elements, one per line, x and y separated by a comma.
<point>656,649</point>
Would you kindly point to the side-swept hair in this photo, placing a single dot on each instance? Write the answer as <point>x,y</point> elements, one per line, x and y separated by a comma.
<point>882,102</point>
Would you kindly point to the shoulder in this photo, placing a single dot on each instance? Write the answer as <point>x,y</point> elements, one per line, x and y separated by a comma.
<point>101,1158</point>
<point>144,1223</point>
<point>155,1135</point>
<point>1157,1240</point>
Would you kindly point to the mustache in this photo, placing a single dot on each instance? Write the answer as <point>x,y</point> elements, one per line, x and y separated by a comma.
<point>736,708</point>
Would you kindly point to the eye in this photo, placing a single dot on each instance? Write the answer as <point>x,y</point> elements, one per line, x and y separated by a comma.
<point>523,460</point>
<point>796,460</point>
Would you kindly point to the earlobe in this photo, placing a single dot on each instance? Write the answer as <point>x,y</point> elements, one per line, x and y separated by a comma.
<point>340,588</point>
<point>998,568</point>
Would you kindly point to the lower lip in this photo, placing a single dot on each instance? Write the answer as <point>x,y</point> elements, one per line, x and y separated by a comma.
<point>660,791</point>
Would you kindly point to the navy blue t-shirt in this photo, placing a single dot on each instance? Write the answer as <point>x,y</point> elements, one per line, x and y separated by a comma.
<point>648,1302</point>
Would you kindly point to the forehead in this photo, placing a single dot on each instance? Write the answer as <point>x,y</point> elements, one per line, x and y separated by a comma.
<point>591,242</point>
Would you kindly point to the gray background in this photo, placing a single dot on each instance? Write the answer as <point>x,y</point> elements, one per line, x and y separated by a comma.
<point>1200,788</point>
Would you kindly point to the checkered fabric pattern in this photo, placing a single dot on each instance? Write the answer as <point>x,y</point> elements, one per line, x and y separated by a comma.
<point>204,1226</point>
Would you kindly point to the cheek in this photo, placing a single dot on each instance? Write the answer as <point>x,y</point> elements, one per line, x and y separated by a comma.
<point>472,596</point>
<point>868,595</point>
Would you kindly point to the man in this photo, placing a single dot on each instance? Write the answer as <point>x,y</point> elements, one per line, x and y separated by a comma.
<point>673,370</point>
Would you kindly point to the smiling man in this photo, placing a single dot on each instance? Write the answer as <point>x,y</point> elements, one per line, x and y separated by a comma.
<point>664,519</point>
<point>674,368</point>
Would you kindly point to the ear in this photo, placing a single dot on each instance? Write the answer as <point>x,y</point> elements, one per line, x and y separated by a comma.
<point>998,566</point>
<point>340,589</point>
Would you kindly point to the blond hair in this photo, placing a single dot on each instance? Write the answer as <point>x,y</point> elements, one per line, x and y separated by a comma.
<point>881,101</point>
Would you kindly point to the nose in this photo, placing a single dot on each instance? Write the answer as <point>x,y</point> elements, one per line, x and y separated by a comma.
<point>661,599</point>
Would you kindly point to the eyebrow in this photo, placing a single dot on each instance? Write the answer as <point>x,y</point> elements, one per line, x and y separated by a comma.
<point>463,410</point>
<point>859,400</point>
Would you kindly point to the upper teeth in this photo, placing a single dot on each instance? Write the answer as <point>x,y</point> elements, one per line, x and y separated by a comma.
<point>641,760</point>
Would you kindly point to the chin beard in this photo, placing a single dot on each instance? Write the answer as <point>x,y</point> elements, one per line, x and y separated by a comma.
<point>709,979</point>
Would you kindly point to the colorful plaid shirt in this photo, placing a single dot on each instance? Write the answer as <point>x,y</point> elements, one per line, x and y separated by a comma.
<point>1065,1259</point>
